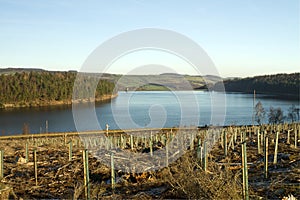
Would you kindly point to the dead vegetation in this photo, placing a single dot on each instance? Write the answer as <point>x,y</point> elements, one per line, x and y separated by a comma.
<point>185,178</point>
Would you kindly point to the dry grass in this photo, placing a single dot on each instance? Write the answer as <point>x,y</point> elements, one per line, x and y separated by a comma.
<point>188,180</point>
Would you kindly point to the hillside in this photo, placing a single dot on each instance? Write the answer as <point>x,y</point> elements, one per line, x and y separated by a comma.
<point>287,85</point>
<point>167,81</point>
<point>39,88</point>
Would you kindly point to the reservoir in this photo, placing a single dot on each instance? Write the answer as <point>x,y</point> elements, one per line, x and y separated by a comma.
<point>143,109</point>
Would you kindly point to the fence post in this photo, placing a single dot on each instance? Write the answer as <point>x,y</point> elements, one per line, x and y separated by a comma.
<point>276,148</point>
<point>1,164</point>
<point>245,168</point>
<point>26,152</point>
<point>167,152</point>
<point>35,166</point>
<point>295,131</point>
<point>266,157</point>
<point>86,173</point>
<point>150,145</point>
<point>131,142</point>
<point>288,137</point>
<point>205,157</point>
<point>70,150</point>
<point>235,135</point>
<point>225,143</point>
<point>112,171</point>
<point>258,142</point>
<point>199,149</point>
<point>192,142</point>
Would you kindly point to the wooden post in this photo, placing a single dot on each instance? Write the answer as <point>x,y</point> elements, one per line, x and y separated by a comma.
<point>167,152</point>
<point>276,148</point>
<point>232,141</point>
<point>26,152</point>
<point>258,142</point>
<point>150,145</point>
<point>199,149</point>
<point>85,156</point>
<point>1,164</point>
<point>78,142</point>
<point>70,150</point>
<point>131,142</point>
<point>288,137</point>
<point>107,126</point>
<point>266,157</point>
<point>295,131</point>
<point>121,142</point>
<point>205,157</point>
<point>192,142</point>
<point>225,143</point>
<point>35,167</point>
<point>65,138</point>
<point>241,136</point>
<point>222,139</point>
<point>235,135</point>
<point>245,169</point>
<point>112,171</point>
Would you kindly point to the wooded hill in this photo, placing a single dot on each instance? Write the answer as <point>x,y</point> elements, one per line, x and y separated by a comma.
<point>286,85</point>
<point>38,88</point>
<point>34,87</point>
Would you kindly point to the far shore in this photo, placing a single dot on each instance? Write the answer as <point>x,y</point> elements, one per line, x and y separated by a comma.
<point>56,103</point>
<point>124,131</point>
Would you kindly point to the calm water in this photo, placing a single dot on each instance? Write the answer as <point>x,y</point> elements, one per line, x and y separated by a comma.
<point>142,109</point>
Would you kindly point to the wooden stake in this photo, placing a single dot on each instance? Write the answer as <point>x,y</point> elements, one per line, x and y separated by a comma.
<point>225,143</point>
<point>113,178</point>
<point>258,142</point>
<point>295,131</point>
<point>276,148</point>
<point>26,152</point>
<point>131,142</point>
<point>35,167</point>
<point>167,152</point>
<point>70,150</point>
<point>235,135</point>
<point>1,163</point>
<point>150,145</point>
<point>86,173</point>
<point>205,157</point>
<point>199,149</point>
<point>288,137</point>
<point>266,157</point>
<point>245,169</point>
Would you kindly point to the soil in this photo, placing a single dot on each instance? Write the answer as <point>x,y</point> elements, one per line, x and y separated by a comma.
<point>59,178</point>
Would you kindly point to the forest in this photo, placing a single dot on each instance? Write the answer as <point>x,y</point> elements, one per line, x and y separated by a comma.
<point>37,88</point>
<point>287,85</point>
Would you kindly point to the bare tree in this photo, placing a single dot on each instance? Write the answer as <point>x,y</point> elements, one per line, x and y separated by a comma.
<point>293,114</point>
<point>275,115</point>
<point>259,113</point>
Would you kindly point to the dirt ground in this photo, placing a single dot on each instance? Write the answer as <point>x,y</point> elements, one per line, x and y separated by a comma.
<point>59,178</point>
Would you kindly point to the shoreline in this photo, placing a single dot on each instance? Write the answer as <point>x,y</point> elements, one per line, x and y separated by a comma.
<point>122,131</point>
<point>56,103</point>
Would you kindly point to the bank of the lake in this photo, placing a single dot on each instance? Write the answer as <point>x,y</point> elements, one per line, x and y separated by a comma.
<point>56,103</point>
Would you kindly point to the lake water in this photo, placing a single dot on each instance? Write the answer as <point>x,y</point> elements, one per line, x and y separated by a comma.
<point>153,109</point>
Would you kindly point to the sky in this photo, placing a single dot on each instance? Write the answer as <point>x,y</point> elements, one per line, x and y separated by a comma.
<point>242,38</point>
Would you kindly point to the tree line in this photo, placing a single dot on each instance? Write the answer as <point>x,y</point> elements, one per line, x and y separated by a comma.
<point>43,87</point>
<point>287,85</point>
<point>276,115</point>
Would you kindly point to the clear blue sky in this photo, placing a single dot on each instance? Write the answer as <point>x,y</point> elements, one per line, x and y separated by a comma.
<point>243,37</point>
